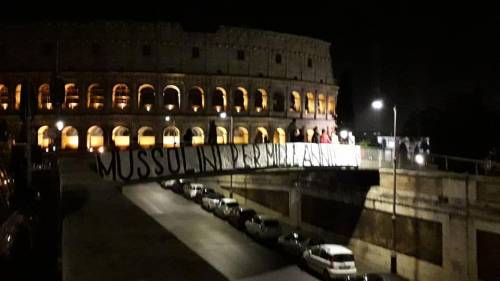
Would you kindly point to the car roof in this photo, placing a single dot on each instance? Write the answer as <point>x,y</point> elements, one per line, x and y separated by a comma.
<point>229,200</point>
<point>334,249</point>
<point>267,218</point>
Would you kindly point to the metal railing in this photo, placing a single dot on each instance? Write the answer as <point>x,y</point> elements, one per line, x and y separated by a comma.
<point>376,158</point>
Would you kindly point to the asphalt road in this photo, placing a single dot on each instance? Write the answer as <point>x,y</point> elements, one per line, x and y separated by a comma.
<point>229,251</point>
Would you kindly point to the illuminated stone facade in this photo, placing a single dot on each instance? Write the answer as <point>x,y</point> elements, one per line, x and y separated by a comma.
<point>123,79</point>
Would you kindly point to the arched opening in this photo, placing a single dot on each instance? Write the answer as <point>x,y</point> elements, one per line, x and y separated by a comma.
<point>198,136</point>
<point>44,137</point>
<point>44,97</point>
<point>240,99</point>
<point>69,138</point>
<point>260,100</point>
<point>146,137</point>
<point>121,137</point>
<point>310,103</point>
<point>219,100</point>
<point>321,104</point>
<point>278,102</point>
<point>279,136</point>
<point>295,104</point>
<point>309,135</point>
<point>240,135</point>
<point>171,137</point>
<point>121,96</point>
<point>221,135</point>
<point>261,135</point>
<point>331,105</point>
<point>95,138</point>
<point>71,97</point>
<point>146,97</point>
<point>95,97</point>
<point>4,97</point>
<point>171,97</point>
<point>17,103</point>
<point>196,99</point>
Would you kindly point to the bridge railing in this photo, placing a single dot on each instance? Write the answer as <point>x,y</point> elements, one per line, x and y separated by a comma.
<point>375,158</point>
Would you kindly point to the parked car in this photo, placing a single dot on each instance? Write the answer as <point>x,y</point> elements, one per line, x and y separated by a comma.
<point>169,184</point>
<point>379,277</point>
<point>210,201</point>
<point>224,207</point>
<point>330,260</point>
<point>179,188</point>
<point>295,243</point>
<point>263,227</point>
<point>191,189</point>
<point>238,216</point>
<point>201,193</point>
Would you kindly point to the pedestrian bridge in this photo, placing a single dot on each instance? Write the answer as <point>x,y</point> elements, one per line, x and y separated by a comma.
<point>141,165</point>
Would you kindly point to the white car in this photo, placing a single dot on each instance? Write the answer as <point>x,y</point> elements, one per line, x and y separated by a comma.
<point>330,260</point>
<point>191,189</point>
<point>263,227</point>
<point>224,207</point>
<point>210,201</point>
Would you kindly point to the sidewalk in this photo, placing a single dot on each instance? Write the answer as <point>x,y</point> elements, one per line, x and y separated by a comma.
<point>106,237</point>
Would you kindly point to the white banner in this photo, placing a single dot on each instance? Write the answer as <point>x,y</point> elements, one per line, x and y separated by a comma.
<point>175,162</point>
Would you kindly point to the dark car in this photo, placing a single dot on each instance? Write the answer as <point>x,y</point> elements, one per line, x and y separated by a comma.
<point>295,243</point>
<point>238,216</point>
<point>201,193</point>
<point>179,188</point>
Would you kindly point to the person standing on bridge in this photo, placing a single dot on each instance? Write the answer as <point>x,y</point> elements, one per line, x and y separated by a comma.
<point>324,137</point>
<point>315,137</point>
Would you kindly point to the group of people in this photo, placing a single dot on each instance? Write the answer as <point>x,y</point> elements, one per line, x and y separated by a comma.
<point>295,134</point>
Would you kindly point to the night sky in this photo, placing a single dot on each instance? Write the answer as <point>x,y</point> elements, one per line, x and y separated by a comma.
<point>439,64</point>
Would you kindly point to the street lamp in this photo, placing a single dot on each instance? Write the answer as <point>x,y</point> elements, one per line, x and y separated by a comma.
<point>223,115</point>
<point>378,105</point>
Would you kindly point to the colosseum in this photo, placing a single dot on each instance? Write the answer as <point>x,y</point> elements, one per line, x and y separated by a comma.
<point>130,84</point>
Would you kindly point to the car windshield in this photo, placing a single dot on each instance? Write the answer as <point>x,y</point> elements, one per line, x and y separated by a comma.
<point>343,258</point>
<point>271,223</point>
<point>232,205</point>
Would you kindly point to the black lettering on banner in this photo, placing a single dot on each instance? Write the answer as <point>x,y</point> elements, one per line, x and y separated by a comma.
<point>293,156</point>
<point>177,161</point>
<point>141,154</point>
<point>214,156</point>
<point>101,168</point>
<point>256,156</point>
<point>199,152</point>
<point>159,167</point>
<point>119,166</point>
<point>316,153</point>
<point>184,162</point>
<point>270,154</point>
<point>307,156</point>
<point>212,163</point>
<point>234,155</point>
<point>245,156</point>
<point>218,155</point>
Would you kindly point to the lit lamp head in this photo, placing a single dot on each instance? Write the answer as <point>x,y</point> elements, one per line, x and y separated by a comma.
<point>377,104</point>
<point>419,159</point>
<point>59,125</point>
<point>344,134</point>
<point>167,118</point>
<point>223,115</point>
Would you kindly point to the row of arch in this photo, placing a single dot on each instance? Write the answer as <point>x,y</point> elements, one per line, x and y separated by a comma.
<point>121,137</point>
<point>196,97</point>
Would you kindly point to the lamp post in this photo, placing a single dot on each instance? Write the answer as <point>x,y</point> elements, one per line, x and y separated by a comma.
<point>223,115</point>
<point>378,105</point>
